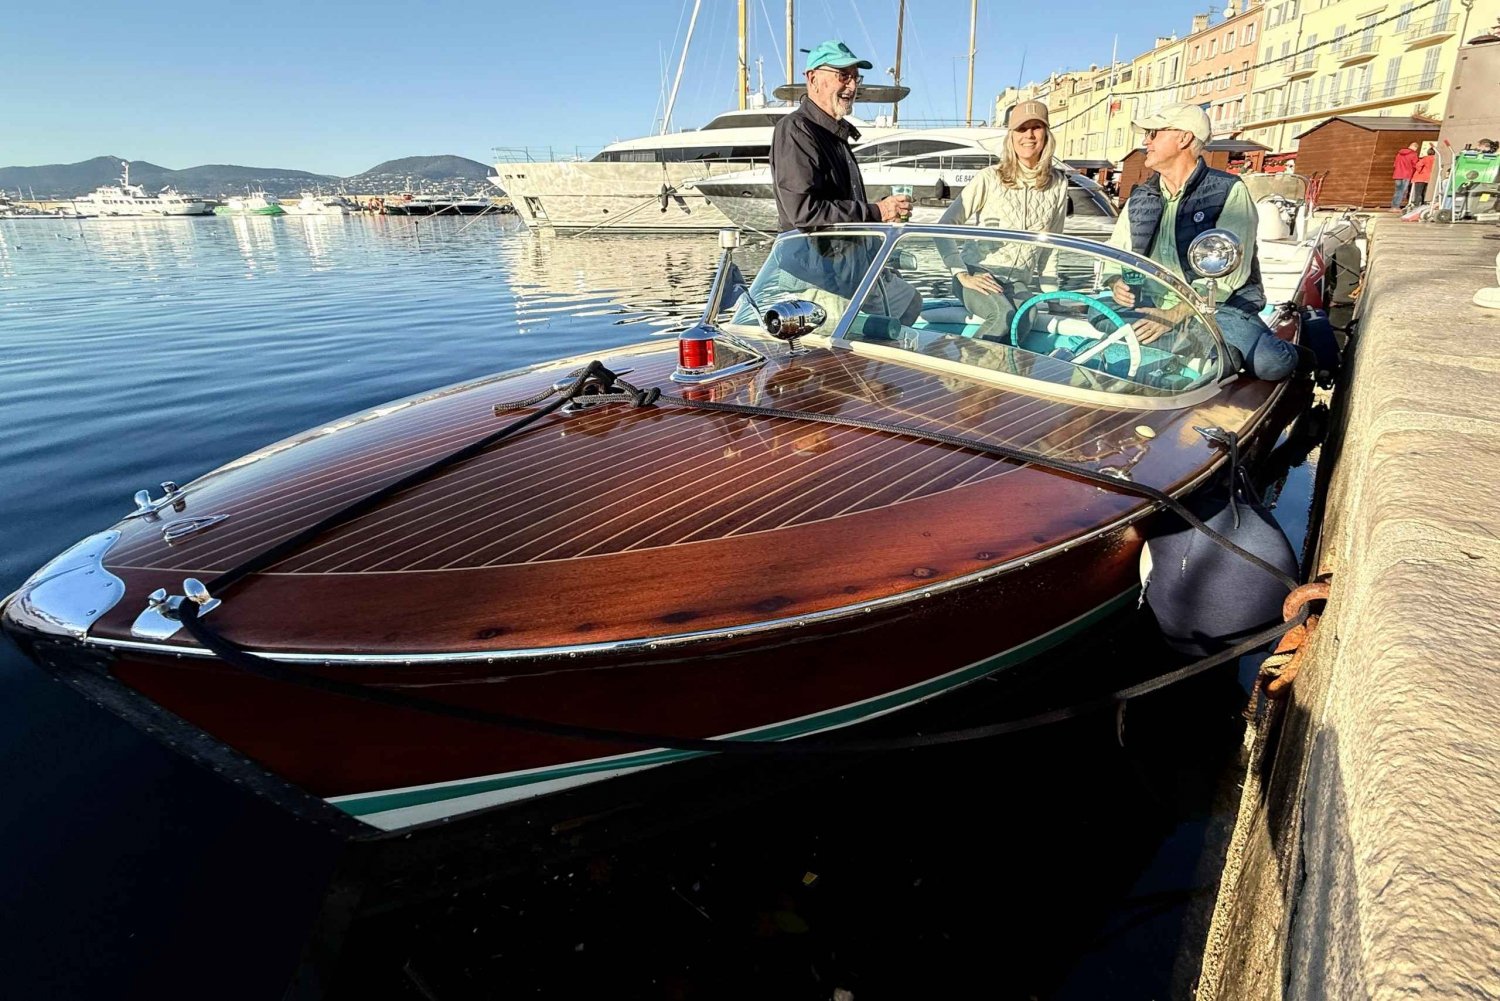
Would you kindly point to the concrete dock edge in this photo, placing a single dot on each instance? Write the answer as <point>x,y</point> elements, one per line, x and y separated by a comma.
<point>1366,858</point>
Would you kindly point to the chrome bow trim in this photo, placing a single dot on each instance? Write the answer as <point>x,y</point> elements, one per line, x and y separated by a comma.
<point>70,592</point>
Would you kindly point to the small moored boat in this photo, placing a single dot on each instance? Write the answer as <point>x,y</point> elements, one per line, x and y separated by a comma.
<point>837,496</point>
<point>254,203</point>
<point>319,205</point>
<point>1290,240</point>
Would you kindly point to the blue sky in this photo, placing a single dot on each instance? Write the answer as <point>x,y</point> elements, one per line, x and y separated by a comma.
<point>338,87</point>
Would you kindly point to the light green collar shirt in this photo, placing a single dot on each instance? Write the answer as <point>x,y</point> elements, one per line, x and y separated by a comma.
<point>1238,216</point>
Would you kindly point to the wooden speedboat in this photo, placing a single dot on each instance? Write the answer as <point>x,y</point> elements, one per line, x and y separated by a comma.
<point>805,531</point>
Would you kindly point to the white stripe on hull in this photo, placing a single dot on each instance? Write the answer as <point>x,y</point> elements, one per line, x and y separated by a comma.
<point>530,783</point>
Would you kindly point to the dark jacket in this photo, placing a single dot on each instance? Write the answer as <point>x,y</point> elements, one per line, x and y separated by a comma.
<point>817,181</point>
<point>1203,197</point>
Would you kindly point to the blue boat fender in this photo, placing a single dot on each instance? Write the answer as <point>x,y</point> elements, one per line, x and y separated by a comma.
<point>1317,335</point>
<point>1206,598</point>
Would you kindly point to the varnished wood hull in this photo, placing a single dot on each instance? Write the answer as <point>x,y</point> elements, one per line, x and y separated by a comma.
<point>660,570</point>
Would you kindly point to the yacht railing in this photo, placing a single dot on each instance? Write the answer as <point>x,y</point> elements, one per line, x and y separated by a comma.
<point>550,154</point>
<point>940,123</point>
<point>544,154</point>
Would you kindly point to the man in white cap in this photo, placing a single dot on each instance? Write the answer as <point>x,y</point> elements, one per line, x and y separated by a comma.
<point>1162,217</point>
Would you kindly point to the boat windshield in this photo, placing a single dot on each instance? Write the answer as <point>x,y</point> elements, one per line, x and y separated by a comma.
<point>1289,186</point>
<point>1037,310</point>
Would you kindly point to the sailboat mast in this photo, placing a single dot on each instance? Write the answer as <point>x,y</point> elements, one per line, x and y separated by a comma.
<point>896,71</point>
<point>973,27</point>
<point>666,119</point>
<point>744,62</point>
<point>791,44</point>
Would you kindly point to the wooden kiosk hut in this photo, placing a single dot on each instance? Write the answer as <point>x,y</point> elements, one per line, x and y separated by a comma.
<point>1221,154</point>
<point>1355,153</point>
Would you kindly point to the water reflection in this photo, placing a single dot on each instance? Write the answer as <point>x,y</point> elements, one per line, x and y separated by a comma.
<point>256,237</point>
<point>149,246</point>
<point>657,281</point>
<point>319,234</point>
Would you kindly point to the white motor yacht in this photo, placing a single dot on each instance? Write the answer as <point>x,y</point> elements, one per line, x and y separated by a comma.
<point>641,185</point>
<point>935,164</point>
<point>131,200</point>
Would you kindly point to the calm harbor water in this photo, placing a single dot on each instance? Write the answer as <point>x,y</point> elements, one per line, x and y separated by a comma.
<point>1055,864</point>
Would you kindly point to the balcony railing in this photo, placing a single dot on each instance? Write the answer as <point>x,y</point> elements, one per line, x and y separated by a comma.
<point>1361,46</point>
<point>1224,126</point>
<point>1406,88</point>
<point>1425,83</point>
<point>1432,30</point>
<point>1304,65</point>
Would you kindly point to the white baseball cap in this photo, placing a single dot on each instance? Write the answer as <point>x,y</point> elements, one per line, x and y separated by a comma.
<point>1184,116</point>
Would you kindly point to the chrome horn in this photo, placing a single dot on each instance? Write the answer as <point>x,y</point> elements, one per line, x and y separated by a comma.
<point>792,319</point>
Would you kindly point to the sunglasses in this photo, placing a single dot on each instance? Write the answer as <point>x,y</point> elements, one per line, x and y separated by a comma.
<point>846,75</point>
<point>1153,133</point>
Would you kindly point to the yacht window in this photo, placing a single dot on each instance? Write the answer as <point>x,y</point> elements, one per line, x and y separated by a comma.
<point>880,152</point>
<point>974,161</point>
<point>684,154</point>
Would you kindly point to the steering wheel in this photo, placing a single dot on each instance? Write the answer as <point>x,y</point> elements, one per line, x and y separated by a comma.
<point>1123,330</point>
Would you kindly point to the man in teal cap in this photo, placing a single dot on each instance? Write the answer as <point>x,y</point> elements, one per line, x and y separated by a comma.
<point>817,181</point>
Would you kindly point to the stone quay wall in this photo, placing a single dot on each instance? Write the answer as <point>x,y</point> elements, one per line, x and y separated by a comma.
<point>1366,859</point>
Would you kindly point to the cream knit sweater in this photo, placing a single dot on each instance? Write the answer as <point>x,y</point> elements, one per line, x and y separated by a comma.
<point>1000,207</point>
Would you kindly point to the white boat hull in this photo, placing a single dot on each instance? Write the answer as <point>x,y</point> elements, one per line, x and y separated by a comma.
<point>748,200</point>
<point>1283,260</point>
<point>318,209</point>
<point>145,209</point>
<point>614,197</point>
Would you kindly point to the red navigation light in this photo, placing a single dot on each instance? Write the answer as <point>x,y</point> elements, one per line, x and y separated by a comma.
<point>695,353</point>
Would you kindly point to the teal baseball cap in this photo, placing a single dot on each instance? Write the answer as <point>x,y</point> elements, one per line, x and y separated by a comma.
<point>835,55</point>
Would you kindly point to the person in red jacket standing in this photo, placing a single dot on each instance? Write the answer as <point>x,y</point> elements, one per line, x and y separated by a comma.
<point>1420,176</point>
<point>1406,165</point>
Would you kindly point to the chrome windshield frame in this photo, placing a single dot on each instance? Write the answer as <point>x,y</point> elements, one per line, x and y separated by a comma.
<point>890,233</point>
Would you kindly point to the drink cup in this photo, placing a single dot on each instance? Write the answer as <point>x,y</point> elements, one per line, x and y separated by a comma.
<point>903,189</point>
<point>1137,283</point>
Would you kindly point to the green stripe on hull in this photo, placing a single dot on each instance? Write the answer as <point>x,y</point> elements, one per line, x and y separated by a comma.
<point>363,804</point>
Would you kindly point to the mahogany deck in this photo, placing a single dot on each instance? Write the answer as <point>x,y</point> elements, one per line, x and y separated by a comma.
<point>620,523</point>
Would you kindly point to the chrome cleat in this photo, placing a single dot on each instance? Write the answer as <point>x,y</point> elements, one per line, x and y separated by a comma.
<point>160,621</point>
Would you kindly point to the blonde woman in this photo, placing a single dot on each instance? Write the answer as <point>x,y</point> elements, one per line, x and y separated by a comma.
<point>1021,192</point>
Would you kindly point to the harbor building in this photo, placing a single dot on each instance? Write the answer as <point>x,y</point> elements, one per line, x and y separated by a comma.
<point>1221,65</point>
<point>1322,58</point>
<point>1266,73</point>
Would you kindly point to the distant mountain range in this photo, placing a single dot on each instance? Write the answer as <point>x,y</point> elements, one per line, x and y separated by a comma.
<point>438,174</point>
